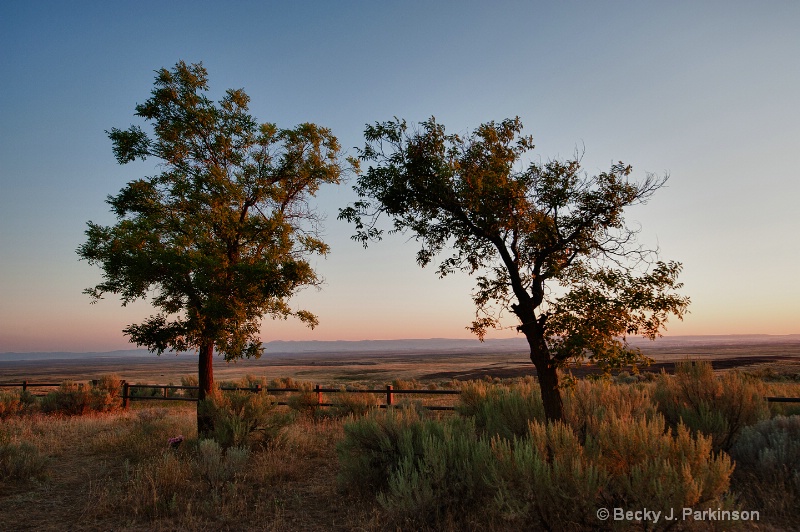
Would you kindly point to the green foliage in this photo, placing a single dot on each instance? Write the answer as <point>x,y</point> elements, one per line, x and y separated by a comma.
<point>287,382</point>
<point>374,446</point>
<point>167,484</point>
<point>352,404</point>
<point>767,474</point>
<point>603,306</point>
<point>554,481</point>
<point>217,467</point>
<point>145,391</point>
<point>548,243</point>
<point>443,478</point>
<point>220,237</point>
<point>502,409</point>
<point>21,461</point>
<point>545,481</point>
<point>105,393</point>
<point>154,486</point>
<point>718,406</point>
<point>71,398</point>
<point>189,380</point>
<point>770,451</point>
<point>244,419</point>
<point>465,470</point>
<point>586,402</point>
<point>11,404</point>
<point>306,401</point>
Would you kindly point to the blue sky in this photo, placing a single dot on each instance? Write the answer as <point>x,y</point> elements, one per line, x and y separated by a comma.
<point>706,91</point>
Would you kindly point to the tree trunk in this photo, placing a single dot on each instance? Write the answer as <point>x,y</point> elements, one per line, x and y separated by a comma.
<point>546,370</point>
<point>551,394</point>
<point>205,424</point>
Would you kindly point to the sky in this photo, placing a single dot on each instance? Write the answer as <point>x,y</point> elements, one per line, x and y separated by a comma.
<point>704,91</point>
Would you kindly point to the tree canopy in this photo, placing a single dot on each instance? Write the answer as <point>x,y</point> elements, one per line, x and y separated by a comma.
<point>547,242</point>
<point>221,235</point>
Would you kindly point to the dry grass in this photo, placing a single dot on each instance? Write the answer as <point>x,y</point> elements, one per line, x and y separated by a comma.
<point>116,471</point>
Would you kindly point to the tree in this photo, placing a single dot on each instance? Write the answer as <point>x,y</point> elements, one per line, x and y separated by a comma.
<point>220,237</point>
<point>548,243</point>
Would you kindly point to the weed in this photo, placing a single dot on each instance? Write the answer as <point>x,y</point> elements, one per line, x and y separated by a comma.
<point>767,457</point>
<point>718,406</point>
<point>245,419</point>
<point>21,461</point>
<point>502,409</point>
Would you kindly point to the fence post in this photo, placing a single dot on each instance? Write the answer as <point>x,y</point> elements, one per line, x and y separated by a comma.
<point>389,395</point>
<point>125,394</point>
<point>258,388</point>
<point>165,392</point>
<point>319,394</point>
<point>24,386</point>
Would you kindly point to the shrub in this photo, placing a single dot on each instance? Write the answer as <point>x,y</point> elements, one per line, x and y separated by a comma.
<point>216,467</point>
<point>190,380</point>
<point>502,409</point>
<point>652,467</point>
<point>287,382</point>
<point>612,450</point>
<point>423,470</point>
<point>306,402</point>
<point>21,461</point>
<point>767,458</point>
<point>76,399</point>
<point>401,384</point>
<point>154,487</point>
<point>199,485</point>
<point>352,403</point>
<point>105,393</point>
<point>145,391</point>
<point>587,401</point>
<point>545,481</point>
<point>374,446</point>
<point>718,406</point>
<point>783,389</point>
<point>71,399</point>
<point>624,377</point>
<point>245,419</point>
<point>250,381</point>
<point>553,481</point>
<point>770,447</point>
<point>443,478</point>
<point>10,404</point>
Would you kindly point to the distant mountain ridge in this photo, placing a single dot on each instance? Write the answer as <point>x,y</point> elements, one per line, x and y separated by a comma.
<point>411,346</point>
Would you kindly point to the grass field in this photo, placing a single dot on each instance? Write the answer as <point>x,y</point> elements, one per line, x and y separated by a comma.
<point>115,471</point>
<point>381,368</point>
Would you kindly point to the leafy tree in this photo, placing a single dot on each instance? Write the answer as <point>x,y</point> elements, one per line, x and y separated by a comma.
<point>220,236</point>
<point>547,242</point>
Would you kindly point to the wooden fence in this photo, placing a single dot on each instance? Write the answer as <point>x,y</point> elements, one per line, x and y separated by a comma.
<point>389,392</point>
<point>129,394</point>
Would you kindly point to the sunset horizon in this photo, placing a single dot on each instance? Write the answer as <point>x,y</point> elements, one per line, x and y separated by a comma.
<point>714,110</point>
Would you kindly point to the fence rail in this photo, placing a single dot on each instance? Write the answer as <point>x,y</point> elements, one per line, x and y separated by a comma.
<point>27,384</point>
<point>127,394</point>
<point>389,392</point>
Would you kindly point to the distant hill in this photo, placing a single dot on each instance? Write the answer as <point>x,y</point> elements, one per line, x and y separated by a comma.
<point>432,346</point>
